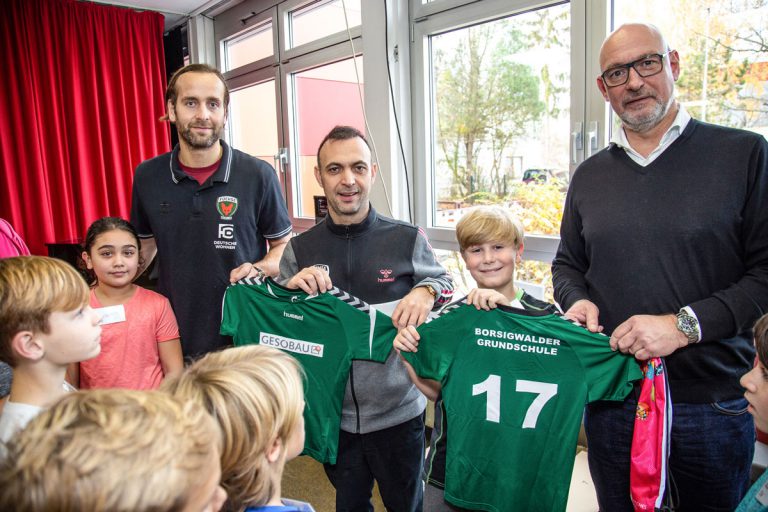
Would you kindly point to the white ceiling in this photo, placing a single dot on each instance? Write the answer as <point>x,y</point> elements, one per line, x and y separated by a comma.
<point>176,11</point>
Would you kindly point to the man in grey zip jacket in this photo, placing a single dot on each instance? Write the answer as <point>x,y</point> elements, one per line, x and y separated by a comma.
<point>379,260</point>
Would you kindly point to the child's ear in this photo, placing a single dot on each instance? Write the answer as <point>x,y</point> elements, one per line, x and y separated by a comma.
<point>87,259</point>
<point>519,257</point>
<point>26,345</point>
<point>275,450</point>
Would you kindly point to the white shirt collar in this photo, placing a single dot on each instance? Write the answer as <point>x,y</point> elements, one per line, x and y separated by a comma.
<point>681,120</point>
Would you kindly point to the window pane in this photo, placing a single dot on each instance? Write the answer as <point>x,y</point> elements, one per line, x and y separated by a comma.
<point>253,118</point>
<point>249,47</point>
<point>535,277</point>
<point>323,98</point>
<point>501,96</point>
<point>321,19</point>
<point>723,55</point>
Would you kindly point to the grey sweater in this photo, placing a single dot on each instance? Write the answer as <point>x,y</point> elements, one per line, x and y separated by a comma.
<point>379,260</point>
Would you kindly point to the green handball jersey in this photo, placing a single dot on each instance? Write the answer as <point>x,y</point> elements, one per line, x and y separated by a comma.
<point>514,385</point>
<point>324,332</point>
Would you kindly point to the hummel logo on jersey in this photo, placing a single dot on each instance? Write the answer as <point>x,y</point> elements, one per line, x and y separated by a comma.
<point>291,315</point>
<point>385,273</point>
<point>291,345</point>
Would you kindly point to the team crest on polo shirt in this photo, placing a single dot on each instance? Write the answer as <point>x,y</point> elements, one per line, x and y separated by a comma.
<point>226,206</point>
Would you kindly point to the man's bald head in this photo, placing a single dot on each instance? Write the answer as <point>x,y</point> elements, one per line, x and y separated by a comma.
<point>643,101</point>
<point>631,32</point>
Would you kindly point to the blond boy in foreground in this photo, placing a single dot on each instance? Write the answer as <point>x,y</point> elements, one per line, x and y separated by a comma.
<point>45,324</point>
<point>256,394</point>
<point>115,449</point>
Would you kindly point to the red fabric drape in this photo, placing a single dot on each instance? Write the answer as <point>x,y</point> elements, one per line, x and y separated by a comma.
<point>82,89</point>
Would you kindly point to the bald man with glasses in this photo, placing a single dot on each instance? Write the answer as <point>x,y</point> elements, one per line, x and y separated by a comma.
<point>664,247</point>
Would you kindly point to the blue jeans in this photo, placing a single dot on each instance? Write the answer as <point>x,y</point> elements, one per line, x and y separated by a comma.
<point>393,457</point>
<point>710,454</point>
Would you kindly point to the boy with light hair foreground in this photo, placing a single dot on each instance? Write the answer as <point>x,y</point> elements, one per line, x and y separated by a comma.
<point>114,450</point>
<point>257,396</point>
<point>45,324</point>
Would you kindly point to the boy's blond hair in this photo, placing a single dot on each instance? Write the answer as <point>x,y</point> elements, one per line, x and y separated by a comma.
<point>484,224</point>
<point>110,450</point>
<point>31,288</point>
<point>256,394</point>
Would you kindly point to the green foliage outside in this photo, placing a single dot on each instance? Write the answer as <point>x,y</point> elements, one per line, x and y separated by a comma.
<point>723,50</point>
<point>485,100</point>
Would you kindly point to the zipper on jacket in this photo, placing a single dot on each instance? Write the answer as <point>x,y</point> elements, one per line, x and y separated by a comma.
<point>354,397</point>
<point>351,366</point>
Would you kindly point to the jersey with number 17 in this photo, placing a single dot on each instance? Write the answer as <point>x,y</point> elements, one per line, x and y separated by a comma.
<point>514,385</point>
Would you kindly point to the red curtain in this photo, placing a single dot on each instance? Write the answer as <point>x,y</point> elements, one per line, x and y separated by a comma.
<point>82,91</point>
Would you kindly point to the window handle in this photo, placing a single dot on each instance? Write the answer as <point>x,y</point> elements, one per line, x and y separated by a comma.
<point>281,158</point>
<point>592,138</point>
<point>577,142</point>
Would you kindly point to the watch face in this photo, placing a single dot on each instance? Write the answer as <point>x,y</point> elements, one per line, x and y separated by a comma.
<point>688,325</point>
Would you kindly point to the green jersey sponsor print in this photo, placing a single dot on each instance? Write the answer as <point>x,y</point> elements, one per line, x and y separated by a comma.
<point>323,332</point>
<point>515,383</point>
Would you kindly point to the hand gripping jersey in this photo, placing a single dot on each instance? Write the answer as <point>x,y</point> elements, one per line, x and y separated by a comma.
<point>324,332</point>
<point>514,384</point>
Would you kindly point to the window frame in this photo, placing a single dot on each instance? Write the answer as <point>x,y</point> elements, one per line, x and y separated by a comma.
<point>409,22</point>
<point>286,8</point>
<point>248,23</point>
<point>447,15</point>
<point>328,55</point>
<point>245,17</point>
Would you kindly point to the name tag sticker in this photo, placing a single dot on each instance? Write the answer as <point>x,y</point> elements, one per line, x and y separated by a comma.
<point>762,495</point>
<point>111,314</point>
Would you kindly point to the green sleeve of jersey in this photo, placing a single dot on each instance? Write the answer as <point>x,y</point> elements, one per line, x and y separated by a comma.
<point>436,350</point>
<point>609,375</point>
<point>230,319</point>
<point>384,333</point>
<point>369,334</point>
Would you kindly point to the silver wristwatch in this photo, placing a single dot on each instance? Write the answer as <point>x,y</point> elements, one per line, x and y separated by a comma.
<point>688,325</point>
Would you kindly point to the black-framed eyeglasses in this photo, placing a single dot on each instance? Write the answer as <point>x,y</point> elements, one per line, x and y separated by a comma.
<point>649,65</point>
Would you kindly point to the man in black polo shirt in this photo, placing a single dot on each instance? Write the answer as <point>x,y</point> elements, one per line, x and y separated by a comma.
<point>207,209</point>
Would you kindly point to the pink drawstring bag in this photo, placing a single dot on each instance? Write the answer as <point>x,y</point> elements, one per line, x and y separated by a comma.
<point>650,439</point>
<point>11,243</point>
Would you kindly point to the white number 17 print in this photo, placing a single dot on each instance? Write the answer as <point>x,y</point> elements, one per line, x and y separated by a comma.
<point>492,387</point>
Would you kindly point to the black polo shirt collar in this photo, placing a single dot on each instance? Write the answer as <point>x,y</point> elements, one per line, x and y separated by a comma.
<point>221,174</point>
<point>352,229</point>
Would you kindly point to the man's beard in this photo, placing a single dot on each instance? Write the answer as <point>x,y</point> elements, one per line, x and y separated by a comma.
<point>643,122</point>
<point>198,142</point>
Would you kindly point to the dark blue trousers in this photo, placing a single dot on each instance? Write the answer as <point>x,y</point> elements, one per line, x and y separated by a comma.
<point>710,455</point>
<point>393,457</point>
